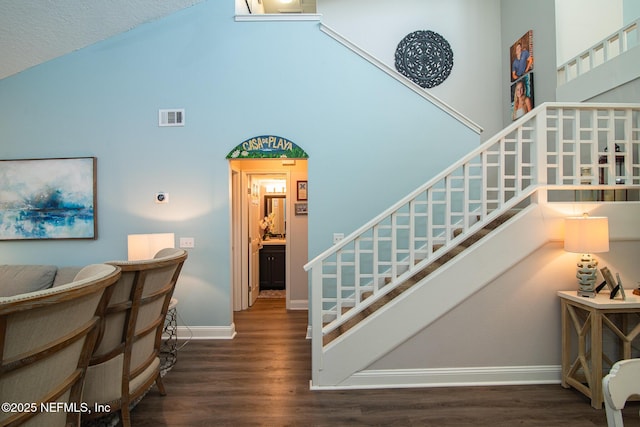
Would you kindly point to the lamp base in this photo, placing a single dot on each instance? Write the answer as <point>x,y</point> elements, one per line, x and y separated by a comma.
<point>587,294</point>
<point>587,270</point>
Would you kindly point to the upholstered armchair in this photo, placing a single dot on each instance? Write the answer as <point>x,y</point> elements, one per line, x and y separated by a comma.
<point>46,340</point>
<point>126,363</point>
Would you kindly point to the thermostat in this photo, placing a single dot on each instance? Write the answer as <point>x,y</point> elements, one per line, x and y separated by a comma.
<point>162,197</point>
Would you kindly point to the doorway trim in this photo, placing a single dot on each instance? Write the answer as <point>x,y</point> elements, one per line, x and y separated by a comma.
<point>240,233</point>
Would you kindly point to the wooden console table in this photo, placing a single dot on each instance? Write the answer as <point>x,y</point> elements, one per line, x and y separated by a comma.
<point>585,319</point>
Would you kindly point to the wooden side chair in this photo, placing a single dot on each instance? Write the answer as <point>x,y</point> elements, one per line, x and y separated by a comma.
<point>126,362</point>
<point>46,341</point>
<point>622,382</point>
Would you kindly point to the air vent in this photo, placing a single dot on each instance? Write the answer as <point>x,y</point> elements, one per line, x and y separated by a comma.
<point>171,117</point>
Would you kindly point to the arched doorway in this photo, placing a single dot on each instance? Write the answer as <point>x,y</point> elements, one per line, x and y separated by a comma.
<point>264,168</point>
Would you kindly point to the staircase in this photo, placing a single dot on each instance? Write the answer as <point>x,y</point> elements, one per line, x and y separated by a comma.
<point>377,287</point>
<point>419,275</point>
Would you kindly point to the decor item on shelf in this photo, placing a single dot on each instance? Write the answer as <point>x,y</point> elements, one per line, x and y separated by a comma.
<point>424,57</point>
<point>611,283</point>
<point>586,235</point>
<point>146,246</point>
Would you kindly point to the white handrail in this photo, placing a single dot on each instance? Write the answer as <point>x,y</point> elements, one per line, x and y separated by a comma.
<point>608,48</point>
<point>574,145</point>
<point>402,79</point>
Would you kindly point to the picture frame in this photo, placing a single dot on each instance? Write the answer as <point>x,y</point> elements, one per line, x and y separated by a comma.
<point>624,296</point>
<point>521,56</point>
<point>301,190</point>
<point>522,96</point>
<point>48,199</point>
<point>608,278</point>
<point>301,209</point>
<point>611,283</point>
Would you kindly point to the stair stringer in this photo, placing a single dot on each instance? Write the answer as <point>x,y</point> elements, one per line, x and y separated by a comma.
<point>430,299</point>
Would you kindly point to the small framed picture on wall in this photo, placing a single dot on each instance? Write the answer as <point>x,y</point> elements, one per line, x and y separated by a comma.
<point>302,190</point>
<point>301,209</point>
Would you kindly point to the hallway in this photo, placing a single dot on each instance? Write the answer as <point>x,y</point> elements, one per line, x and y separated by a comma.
<point>261,378</point>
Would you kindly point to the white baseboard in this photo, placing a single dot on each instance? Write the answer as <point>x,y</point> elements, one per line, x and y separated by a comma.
<point>450,377</point>
<point>207,332</point>
<point>299,304</point>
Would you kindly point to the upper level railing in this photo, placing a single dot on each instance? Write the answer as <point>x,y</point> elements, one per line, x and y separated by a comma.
<point>603,51</point>
<point>584,145</point>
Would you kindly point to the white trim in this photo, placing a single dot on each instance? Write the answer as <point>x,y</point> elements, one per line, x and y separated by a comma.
<point>298,304</point>
<point>402,79</point>
<point>279,17</point>
<point>207,332</point>
<point>449,377</point>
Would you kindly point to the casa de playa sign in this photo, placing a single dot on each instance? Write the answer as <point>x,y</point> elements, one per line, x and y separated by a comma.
<point>267,147</point>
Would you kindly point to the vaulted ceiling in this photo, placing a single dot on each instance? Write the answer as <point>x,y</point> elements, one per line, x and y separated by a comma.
<point>35,31</point>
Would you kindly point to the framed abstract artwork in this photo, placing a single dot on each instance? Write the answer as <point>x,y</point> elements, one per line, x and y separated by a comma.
<point>48,199</point>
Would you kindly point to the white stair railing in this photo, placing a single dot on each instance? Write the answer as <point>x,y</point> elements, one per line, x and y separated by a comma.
<point>617,43</point>
<point>555,145</point>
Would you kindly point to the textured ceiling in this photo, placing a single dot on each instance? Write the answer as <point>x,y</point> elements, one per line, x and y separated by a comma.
<point>35,31</point>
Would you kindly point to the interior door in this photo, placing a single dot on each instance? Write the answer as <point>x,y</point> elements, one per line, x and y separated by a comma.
<point>255,241</point>
<point>254,272</point>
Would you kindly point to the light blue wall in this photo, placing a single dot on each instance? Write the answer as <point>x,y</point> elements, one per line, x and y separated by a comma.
<point>370,139</point>
<point>630,11</point>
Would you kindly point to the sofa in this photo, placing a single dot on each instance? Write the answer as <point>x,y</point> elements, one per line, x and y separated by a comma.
<point>46,339</point>
<point>125,363</point>
<point>21,279</point>
<point>120,359</point>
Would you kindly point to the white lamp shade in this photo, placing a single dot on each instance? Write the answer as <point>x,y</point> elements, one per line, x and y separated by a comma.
<point>145,246</point>
<point>586,234</point>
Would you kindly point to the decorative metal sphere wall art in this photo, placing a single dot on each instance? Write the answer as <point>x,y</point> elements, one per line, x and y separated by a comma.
<point>425,57</point>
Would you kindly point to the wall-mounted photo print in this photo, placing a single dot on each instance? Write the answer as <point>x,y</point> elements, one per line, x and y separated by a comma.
<point>522,96</point>
<point>521,54</point>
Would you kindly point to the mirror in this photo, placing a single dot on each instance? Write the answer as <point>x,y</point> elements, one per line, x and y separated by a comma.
<point>277,205</point>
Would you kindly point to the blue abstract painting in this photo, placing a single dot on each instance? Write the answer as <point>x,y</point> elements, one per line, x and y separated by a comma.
<point>48,199</point>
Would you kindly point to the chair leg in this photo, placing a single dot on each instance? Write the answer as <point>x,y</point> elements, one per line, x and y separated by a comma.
<point>125,416</point>
<point>160,385</point>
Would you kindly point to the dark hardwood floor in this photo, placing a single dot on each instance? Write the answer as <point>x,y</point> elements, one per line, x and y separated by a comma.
<point>261,378</point>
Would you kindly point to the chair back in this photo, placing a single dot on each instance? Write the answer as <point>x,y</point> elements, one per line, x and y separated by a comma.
<point>46,340</point>
<point>125,363</point>
<point>622,382</point>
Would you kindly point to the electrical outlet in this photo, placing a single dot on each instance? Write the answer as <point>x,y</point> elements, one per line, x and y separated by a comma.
<point>187,242</point>
<point>337,237</point>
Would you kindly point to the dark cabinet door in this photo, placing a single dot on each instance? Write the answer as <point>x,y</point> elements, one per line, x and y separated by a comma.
<point>272,267</point>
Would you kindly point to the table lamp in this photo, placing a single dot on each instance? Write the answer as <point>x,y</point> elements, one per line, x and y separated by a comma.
<point>145,246</point>
<point>586,235</point>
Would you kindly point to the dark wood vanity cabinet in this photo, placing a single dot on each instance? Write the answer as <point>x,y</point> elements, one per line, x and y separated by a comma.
<point>272,267</point>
